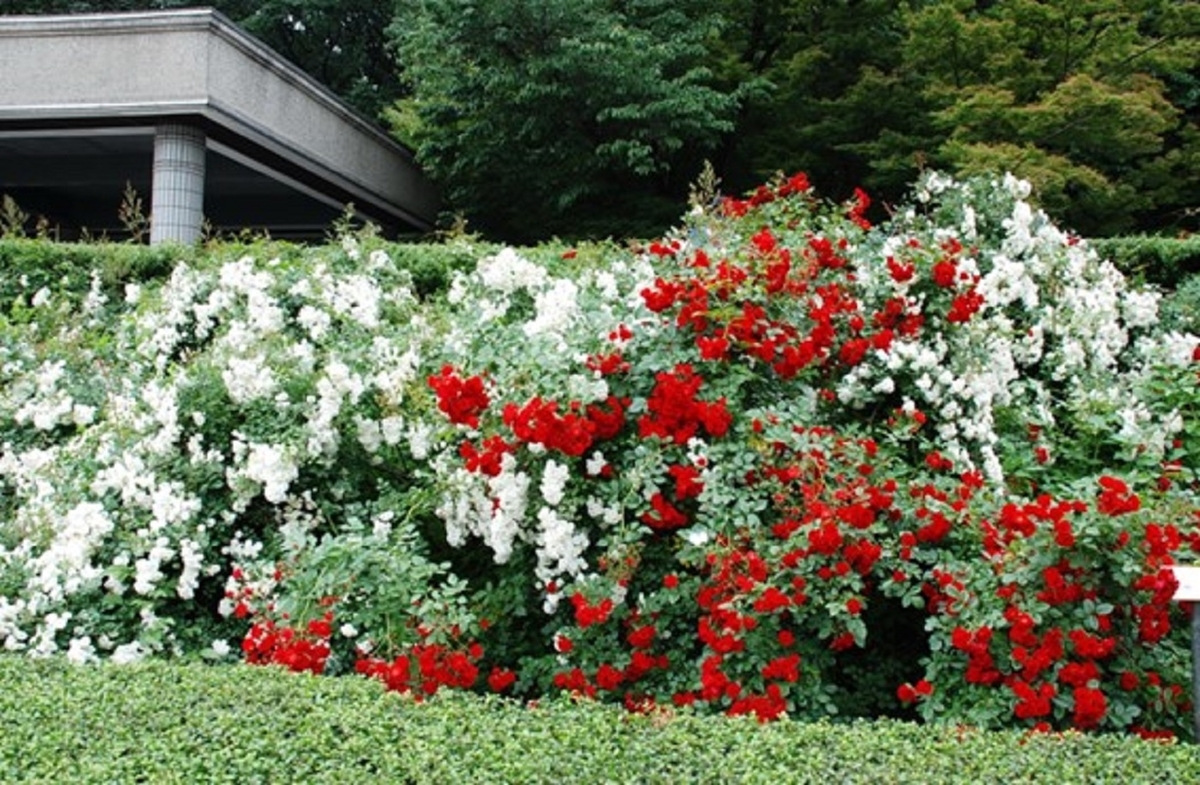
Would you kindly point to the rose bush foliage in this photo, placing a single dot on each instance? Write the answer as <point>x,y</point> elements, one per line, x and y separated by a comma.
<point>781,462</point>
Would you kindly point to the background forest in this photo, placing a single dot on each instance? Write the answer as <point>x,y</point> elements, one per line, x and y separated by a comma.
<point>592,117</point>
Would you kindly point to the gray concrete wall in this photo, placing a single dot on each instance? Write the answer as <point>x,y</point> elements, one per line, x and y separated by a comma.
<point>283,108</point>
<point>103,65</point>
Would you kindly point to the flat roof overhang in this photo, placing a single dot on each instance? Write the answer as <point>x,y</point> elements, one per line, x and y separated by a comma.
<point>83,95</point>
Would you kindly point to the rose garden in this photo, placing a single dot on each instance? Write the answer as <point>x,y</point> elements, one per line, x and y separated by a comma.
<point>781,462</point>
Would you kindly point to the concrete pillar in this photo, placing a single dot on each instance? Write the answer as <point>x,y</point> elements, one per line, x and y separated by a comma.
<point>177,195</point>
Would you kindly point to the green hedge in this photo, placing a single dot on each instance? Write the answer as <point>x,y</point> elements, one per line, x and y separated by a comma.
<point>432,266</point>
<point>27,265</point>
<point>1181,310</point>
<point>160,722</point>
<point>1163,261</point>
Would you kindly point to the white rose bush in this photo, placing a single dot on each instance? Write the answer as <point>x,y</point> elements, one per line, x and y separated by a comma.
<point>780,462</point>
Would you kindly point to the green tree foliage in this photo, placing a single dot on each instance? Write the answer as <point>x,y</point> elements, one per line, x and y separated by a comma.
<point>540,117</point>
<point>1091,100</point>
<point>825,94</point>
<point>1094,101</point>
<point>341,43</point>
<point>589,117</point>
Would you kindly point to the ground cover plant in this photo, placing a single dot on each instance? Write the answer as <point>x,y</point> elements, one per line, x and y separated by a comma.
<point>780,463</point>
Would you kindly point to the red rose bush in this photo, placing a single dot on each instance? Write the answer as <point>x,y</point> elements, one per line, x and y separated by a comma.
<point>735,442</point>
<point>779,463</point>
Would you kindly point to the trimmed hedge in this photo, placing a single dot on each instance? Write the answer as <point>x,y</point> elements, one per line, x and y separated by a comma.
<point>432,266</point>
<point>1180,310</point>
<point>27,265</point>
<point>158,722</point>
<point>1163,261</point>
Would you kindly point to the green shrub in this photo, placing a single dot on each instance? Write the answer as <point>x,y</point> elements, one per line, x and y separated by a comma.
<point>155,722</point>
<point>1180,309</point>
<point>1163,261</point>
<point>432,266</point>
<point>27,265</point>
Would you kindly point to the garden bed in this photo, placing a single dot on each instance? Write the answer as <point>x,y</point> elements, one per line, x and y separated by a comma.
<point>781,462</point>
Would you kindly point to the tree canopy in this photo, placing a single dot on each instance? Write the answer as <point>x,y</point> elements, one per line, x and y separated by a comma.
<point>591,117</point>
<point>1081,98</point>
<point>1095,101</point>
<point>537,116</point>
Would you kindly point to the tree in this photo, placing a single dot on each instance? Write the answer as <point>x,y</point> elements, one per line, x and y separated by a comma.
<point>590,117</point>
<point>341,43</point>
<point>1095,101</point>
<point>822,85</point>
<point>553,116</point>
<point>1078,97</point>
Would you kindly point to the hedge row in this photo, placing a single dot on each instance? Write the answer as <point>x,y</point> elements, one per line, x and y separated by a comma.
<point>26,265</point>
<point>1180,311</point>
<point>1163,261</point>
<point>158,722</point>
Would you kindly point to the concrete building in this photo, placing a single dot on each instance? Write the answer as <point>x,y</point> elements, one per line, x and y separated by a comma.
<point>203,121</point>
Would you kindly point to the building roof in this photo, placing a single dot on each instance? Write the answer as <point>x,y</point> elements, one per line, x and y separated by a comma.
<point>82,94</point>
